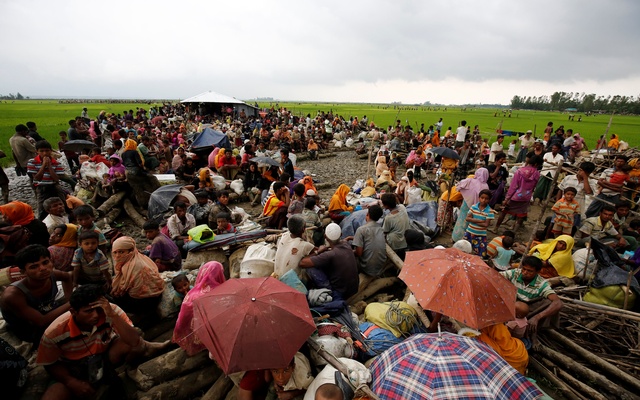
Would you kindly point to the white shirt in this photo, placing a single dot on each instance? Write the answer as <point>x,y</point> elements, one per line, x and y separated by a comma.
<point>583,199</point>
<point>461,133</point>
<point>550,162</point>
<point>526,143</point>
<point>290,252</point>
<point>495,149</point>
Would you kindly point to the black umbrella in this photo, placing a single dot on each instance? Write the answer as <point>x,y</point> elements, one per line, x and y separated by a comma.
<point>161,199</point>
<point>445,152</point>
<point>78,145</point>
<point>265,160</point>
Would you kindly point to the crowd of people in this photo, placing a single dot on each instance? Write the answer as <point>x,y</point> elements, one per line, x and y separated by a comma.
<point>104,279</point>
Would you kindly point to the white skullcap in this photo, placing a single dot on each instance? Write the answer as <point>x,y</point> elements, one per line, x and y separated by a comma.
<point>311,193</point>
<point>463,245</point>
<point>333,231</point>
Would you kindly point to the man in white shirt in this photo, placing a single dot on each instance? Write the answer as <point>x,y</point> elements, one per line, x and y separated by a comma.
<point>551,160</point>
<point>583,183</point>
<point>496,148</point>
<point>439,125</point>
<point>461,133</point>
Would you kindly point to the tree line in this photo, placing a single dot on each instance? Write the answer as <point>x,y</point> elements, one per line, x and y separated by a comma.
<point>581,102</point>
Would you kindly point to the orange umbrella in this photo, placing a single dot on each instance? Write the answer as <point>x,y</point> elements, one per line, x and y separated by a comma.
<point>460,286</point>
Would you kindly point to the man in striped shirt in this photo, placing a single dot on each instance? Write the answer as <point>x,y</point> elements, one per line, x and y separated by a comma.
<point>81,347</point>
<point>535,291</point>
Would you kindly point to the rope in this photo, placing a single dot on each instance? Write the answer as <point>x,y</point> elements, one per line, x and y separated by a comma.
<point>396,317</point>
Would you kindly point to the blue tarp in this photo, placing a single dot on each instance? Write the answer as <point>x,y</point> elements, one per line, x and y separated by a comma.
<point>423,213</point>
<point>209,138</point>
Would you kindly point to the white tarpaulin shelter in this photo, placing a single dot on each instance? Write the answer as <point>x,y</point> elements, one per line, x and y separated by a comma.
<point>221,101</point>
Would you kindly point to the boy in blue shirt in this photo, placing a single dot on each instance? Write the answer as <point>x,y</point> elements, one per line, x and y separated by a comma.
<point>479,217</point>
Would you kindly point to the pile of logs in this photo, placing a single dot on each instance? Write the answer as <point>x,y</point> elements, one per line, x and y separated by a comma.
<point>596,354</point>
<point>113,206</point>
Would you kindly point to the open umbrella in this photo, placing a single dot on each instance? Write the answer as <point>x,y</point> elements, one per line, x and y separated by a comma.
<point>447,366</point>
<point>445,152</point>
<point>265,160</point>
<point>460,286</point>
<point>78,145</point>
<point>253,323</point>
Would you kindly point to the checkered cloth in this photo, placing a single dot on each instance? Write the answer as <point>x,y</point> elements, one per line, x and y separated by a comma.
<point>447,366</point>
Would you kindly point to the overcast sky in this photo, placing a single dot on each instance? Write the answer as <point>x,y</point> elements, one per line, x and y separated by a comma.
<point>448,51</point>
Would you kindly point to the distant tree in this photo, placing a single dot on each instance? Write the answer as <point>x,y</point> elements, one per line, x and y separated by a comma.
<point>19,96</point>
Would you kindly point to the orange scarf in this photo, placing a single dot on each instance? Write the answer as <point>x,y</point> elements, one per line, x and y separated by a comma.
<point>17,212</point>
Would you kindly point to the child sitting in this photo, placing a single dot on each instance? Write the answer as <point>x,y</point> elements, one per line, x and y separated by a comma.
<point>479,217</point>
<point>224,226</point>
<point>502,260</point>
<point>182,286</point>
<point>518,327</point>
<point>565,210</point>
<point>180,223</point>
<point>538,238</point>
<point>56,213</point>
<point>90,266</point>
<point>201,209</point>
<point>620,176</point>
<point>84,219</point>
<point>297,203</point>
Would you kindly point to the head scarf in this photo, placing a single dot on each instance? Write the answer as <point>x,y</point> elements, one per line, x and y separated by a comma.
<point>453,197</point>
<point>511,349</point>
<point>385,177</point>
<point>339,199</point>
<point>307,181</point>
<point>471,187</point>
<point>210,276</point>
<point>561,260</point>
<point>135,274</point>
<point>130,144</point>
<point>208,182</point>
<point>70,237</point>
<point>17,212</point>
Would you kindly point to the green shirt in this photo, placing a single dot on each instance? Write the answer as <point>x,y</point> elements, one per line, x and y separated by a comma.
<point>537,289</point>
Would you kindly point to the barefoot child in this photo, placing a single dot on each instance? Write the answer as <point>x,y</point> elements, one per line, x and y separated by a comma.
<point>565,210</point>
<point>479,217</point>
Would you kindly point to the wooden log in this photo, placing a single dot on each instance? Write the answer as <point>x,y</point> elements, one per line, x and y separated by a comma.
<point>583,305</point>
<point>583,388</point>
<point>219,389</point>
<point>133,213</point>
<point>184,387</point>
<point>372,289</point>
<point>233,394</point>
<point>337,364</point>
<point>393,258</point>
<point>109,217</point>
<point>615,373</point>
<point>169,365</point>
<point>111,202</point>
<point>566,390</point>
<point>598,379</point>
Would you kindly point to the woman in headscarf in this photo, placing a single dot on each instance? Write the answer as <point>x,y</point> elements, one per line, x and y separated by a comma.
<point>63,243</point>
<point>446,204</point>
<point>142,183</point>
<point>512,350</point>
<point>338,206</point>
<point>614,143</point>
<point>312,148</point>
<point>19,213</point>
<point>137,284</point>
<point>556,257</point>
<point>469,189</point>
<point>385,182</point>
<point>205,181</point>
<point>448,165</point>
<point>209,277</point>
<point>307,181</point>
<point>415,159</point>
<point>518,198</point>
<point>381,163</point>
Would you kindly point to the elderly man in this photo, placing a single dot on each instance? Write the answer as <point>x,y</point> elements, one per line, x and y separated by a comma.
<point>335,263</point>
<point>544,304</point>
<point>600,228</point>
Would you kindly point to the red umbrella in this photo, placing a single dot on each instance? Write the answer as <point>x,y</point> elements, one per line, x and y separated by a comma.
<point>460,286</point>
<point>253,323</point>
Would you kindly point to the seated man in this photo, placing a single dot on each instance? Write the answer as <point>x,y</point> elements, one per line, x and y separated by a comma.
<point>222,205</point>
<point>335,263</point>
<point>534,290</point>
<point>292,247</point>
<point>164,252</point>
<point>228,165</point>
<point>600,228</point>
<point>81,348</point>
<point>56,214</point>
<point>31,304</point>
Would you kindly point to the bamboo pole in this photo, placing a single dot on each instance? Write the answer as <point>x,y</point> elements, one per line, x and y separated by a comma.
<point>628,288</point>
<point>544,209</point>
<point>579,387</point>
<point>337,364</point>
<point>566,390</point>
<point>595,360</point>
<point>585,372</point>
<point>602,309</point>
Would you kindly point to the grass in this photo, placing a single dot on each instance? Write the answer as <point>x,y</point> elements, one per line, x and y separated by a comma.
<point>52,116</point>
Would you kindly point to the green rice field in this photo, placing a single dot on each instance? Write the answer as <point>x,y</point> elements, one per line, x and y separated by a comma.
<point>52,116</point>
